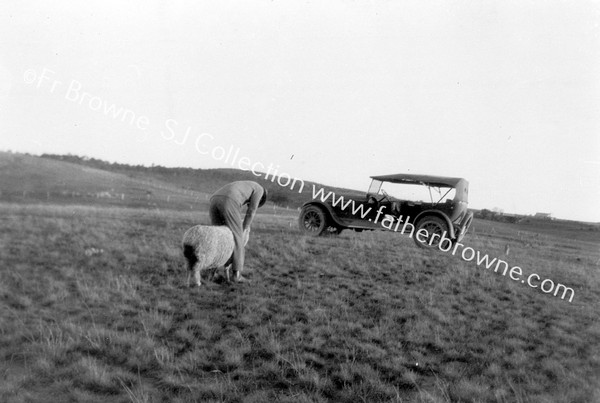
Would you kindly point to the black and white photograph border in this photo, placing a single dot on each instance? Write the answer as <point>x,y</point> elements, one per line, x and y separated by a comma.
<point>292,201</point>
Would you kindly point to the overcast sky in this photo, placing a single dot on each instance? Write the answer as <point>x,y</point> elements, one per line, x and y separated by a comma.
<point>505,94</point>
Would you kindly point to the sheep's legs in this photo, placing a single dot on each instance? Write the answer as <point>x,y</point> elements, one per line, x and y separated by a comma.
<point>197,275</point>
<point>213,272</point>
<point>189,278</point>
<point>227,268</point>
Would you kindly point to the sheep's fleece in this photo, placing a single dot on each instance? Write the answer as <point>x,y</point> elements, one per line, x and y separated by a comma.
<point>209,247</point>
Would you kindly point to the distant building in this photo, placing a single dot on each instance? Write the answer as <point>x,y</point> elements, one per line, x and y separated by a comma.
<point>543,216</point>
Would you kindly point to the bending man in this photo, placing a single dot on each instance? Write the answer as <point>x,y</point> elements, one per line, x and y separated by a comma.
<point>226,209</point>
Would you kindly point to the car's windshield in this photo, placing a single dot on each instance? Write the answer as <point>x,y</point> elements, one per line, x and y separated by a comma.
<point>412,192</point>
<point>374,188</point>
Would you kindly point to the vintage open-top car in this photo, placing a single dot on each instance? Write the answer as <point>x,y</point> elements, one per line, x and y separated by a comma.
<point>394,203</point>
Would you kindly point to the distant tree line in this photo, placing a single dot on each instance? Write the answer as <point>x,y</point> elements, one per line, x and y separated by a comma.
<point>115,166</point>
<point>486,214</point>
<point>206,180</point>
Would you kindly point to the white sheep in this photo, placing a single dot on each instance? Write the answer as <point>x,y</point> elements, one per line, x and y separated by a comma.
<point>209,247</point>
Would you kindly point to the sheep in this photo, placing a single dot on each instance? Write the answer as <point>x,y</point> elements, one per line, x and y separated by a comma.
<point>209,247</point>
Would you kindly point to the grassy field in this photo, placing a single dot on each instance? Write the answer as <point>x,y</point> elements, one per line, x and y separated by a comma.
<point>94,308</point>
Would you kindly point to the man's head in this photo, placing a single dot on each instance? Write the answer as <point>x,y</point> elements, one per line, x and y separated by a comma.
<point>263,198</point>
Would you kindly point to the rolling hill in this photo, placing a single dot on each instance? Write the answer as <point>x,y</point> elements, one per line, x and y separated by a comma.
<point>72,179</point>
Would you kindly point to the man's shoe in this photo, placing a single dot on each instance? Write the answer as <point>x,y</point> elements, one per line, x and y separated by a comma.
<point>241,279</point>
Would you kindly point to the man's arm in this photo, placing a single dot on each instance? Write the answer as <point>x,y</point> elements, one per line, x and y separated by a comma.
<point>252,207</point>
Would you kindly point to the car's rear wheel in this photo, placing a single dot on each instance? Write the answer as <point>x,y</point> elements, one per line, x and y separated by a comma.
<point>435,227</point>
<point>312,221</point>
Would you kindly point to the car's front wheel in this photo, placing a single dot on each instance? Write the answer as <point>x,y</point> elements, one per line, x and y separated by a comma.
<point>312,221</point>
<point>435,227</point>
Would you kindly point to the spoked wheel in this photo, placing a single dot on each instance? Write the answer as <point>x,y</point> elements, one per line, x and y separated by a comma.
<point>312,221</point>
<point>435,227</point>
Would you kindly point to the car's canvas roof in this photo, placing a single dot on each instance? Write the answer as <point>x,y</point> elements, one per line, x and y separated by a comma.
<point>440,181</point>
